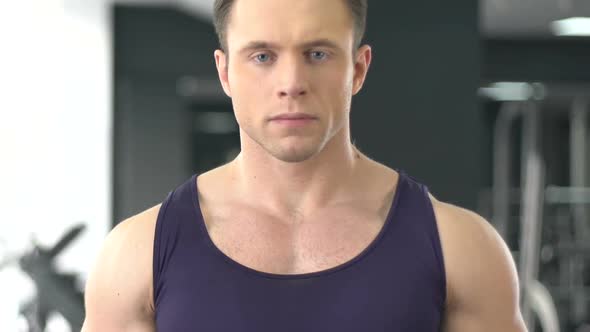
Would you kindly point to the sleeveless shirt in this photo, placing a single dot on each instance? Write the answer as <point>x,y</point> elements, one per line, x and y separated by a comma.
<point>397,283</point>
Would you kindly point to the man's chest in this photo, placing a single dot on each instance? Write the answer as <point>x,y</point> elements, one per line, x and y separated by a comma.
<point>267,244</point>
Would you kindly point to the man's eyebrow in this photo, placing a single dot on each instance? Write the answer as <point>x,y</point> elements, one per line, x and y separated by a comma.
<point>321,43</point>
<point>257,45</point>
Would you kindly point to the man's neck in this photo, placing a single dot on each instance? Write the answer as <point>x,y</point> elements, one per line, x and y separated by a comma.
<point>297,188</point>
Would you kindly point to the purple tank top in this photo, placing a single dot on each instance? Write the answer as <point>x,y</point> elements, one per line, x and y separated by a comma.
<point>396,284</point>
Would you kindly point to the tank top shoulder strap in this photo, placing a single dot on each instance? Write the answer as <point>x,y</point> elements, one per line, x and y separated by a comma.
<point>176,220</point>
<point>415,211</point>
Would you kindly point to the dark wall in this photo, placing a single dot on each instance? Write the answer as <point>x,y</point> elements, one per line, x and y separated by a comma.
<point>154,49</point>
<point>563,60</point>
<point>162,42</point>
<point>418,110</point>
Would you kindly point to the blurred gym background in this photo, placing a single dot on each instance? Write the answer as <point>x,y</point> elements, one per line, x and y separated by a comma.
<point>108,105</point>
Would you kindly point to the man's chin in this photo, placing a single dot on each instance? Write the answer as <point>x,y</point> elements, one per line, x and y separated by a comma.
<point>295,156</point>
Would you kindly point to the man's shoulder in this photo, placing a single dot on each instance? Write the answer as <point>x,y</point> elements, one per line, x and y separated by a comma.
<point>131,241</point>
<point>137,225</point>
<point>460,221</point>
<point>119,290</point>
<point>465,233</point>
<point>479,267</point>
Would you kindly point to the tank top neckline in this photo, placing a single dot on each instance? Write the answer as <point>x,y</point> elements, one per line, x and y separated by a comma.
<point>364,253</point>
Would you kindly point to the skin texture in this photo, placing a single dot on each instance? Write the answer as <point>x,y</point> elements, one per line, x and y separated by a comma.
<point>295,181</point>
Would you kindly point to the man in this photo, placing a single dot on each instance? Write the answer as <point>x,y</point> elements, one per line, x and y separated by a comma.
<point>301,232</point>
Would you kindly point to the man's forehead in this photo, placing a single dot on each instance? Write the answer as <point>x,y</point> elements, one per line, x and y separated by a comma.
<point>290,6</point>
<point>289,22</point>
<point>334,11</point>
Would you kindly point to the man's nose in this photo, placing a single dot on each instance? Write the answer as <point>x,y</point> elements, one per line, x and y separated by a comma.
<point>292,78</point>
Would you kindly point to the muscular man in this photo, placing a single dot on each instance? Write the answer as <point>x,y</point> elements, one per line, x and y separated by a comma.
<point>301,232</point>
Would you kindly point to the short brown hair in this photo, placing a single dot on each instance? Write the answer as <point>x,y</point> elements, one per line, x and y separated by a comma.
<point>222,10</point>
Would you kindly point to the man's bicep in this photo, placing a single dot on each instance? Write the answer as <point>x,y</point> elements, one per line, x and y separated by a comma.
<point>483,282</point>
<point>117,296</point>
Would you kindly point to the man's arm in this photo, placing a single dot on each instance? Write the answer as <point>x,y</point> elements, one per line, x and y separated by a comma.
<point>482,282</point>
<point>118,295</point>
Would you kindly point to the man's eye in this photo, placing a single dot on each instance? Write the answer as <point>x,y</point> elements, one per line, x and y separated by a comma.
<point>262,58</point>
<point>318,55</point>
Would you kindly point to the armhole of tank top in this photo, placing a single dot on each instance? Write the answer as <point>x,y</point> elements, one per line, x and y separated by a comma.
<point>156,247</point>
<point>437,244</point>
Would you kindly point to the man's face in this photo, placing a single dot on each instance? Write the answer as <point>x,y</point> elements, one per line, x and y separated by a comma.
<point>291,73</point>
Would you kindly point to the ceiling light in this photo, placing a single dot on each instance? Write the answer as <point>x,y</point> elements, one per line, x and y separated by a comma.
<point>513,91</point>
<point>573,26</point>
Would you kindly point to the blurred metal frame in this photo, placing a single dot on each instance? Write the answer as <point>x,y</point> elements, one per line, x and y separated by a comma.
<point>521,100</point>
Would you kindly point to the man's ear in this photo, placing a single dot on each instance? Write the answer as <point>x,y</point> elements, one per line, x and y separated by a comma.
<point>361,67</point>
<point>221,64</point>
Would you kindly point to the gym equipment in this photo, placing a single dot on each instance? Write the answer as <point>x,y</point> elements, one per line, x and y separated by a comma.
<point>570,253</point>
<point>55,291</point>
